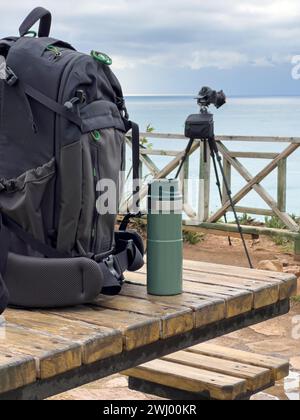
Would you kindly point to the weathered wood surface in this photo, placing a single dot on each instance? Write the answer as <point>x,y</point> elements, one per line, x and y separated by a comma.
<point>279,368</point>
<point>16,370</point>
<point>256,377</point>
<point>207,369</point>
<point>190,379</point>
<point>257,139</point>
<point>38,345</point>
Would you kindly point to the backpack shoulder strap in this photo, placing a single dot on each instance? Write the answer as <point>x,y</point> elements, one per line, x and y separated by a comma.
<point>135,140</point>
<point>5,45</point>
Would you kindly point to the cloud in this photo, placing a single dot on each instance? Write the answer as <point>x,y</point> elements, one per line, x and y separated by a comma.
<point>218,59</point>
<point>190,34</point>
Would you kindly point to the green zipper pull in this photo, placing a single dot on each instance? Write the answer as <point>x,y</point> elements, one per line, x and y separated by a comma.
<point>96,135</point>
<point>55,50</point>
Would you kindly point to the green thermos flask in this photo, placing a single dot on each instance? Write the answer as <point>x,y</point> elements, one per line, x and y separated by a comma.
<point>164,244</point>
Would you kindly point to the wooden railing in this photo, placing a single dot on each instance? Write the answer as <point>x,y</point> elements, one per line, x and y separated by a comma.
<point>201,217</point>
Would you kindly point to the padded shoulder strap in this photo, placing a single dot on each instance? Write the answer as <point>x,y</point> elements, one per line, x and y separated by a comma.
<point>135,139</point>
<point>39,13</point>
<point>5,45</point>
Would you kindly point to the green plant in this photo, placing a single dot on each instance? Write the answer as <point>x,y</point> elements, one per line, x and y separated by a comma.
<point>144,142</point>
<point>281,240</point>
<point>274,222</point>
<point>284,242</point>
<point>296,299</point>
<point>192,238</point>
<point>245,219</point>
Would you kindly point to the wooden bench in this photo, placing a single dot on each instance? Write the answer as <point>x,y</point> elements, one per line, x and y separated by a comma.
<point>208,371</point>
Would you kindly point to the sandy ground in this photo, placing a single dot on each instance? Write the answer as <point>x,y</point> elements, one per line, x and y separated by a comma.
<point>277,337</point>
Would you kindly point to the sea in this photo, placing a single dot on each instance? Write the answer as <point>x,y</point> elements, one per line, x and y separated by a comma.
<point>245,116</point>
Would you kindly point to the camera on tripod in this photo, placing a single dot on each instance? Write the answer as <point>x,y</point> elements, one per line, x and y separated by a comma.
<point>201,126</point>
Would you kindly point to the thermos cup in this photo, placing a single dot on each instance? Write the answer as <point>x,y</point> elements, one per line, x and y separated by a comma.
<point>164,244</point>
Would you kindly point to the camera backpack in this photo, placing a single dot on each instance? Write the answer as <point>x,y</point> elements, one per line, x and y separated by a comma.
<point>63,123</point>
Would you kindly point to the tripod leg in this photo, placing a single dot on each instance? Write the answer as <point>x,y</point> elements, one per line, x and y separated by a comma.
<point>219,186</point>
<point>186,153</point>
<point>214,148</point>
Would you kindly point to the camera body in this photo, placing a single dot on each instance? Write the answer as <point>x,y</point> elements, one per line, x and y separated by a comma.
<point>200,126</point>
<point>208,96</point>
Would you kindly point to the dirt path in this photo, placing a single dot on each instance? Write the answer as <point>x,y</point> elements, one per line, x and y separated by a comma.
<point>215,249</point>
<point>273,337</point>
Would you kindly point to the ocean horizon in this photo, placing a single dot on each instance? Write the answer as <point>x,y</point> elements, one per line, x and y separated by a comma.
<point>277,116</point>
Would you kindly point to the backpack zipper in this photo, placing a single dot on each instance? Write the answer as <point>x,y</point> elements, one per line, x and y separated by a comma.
<point>57,52</point>
<point>96,137</point>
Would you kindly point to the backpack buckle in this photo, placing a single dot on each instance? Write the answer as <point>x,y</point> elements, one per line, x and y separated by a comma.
<point>131,250</point>
<point>110,264</point>
<point>11,78</point>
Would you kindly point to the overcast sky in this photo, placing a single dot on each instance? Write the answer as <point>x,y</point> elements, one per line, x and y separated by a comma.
<point>176,46</point>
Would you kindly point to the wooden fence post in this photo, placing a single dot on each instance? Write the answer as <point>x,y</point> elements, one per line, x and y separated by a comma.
<point>282,180</point>
<point>227,172</point>
<point>204,183</point>
<point>184,177</point>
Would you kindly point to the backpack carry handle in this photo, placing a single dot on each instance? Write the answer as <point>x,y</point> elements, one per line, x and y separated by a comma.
<point>39,13</point>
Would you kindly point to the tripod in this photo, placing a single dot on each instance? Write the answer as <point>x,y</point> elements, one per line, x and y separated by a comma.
<point>217,161</point>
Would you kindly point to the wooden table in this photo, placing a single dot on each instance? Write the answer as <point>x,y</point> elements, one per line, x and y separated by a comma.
<point>43,353</point>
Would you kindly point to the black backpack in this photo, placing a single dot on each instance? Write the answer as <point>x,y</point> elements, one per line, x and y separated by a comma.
<point>62,130</point>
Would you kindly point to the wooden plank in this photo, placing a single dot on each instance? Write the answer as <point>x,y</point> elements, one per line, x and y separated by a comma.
<point>251,210</point>
<point>206,311</point>
<point>159,152</point>
<point>52,355</point>
<point>256,377</point>
<point>220,387</point>
<point>253,155</point>
<point>96,343</point>
<point>278,367</point>
<point>189,227</point>
<point>137,330</point>
<point>16,371</point>
<point>264,294</point>
<point>234,271</point>
<point>250,230</point>
<point>287,282</point>
<point>258,139</point>
<point>174,320</point>
<point>236,301</point>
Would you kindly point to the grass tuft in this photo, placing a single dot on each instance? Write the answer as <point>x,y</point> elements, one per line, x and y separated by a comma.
<point>193,238</point>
